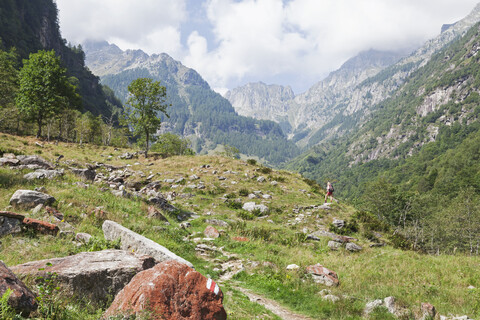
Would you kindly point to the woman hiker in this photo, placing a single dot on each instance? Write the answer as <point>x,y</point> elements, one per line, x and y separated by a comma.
<point>329,192</point>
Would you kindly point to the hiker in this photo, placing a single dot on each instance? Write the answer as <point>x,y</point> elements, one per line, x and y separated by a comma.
<point>329,192</point>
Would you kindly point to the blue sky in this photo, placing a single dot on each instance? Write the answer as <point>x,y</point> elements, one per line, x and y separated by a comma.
<point>233,42</point>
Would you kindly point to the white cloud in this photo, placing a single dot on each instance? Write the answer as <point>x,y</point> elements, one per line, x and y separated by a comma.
<point>294,42</point>
<point>152,25</point>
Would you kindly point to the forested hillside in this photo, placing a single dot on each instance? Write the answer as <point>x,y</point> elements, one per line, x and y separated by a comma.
<point>30,26</point>
<point>196,111</point>
<point>415,161</point>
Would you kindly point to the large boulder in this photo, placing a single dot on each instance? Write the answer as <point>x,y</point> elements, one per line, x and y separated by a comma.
<point>21,299</point>
<point>86,174</point>
<point>94,275</point>
<point>170,290</point>
<point>322,275</point>
<point>28,199</point>
<point>10,223</point>
<point>130,240</point>
<point>252,206</point>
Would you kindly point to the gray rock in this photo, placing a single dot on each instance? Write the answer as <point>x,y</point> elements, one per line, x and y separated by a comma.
<point>43,174</point>
<point>217,222</point>
<point>10,223</point>
<point>35,162</point>
<point>334,245</point>
<point>22,300</point>
<point>338,223</point>
<point>352,247</point>
<point>87,174</point>
<point>261,179</point>
<point>370,306</point>
<point>83,237</point>
<point>133,241</point>
<point>251,206</point>
<point>9,162</point>
<point>95,275</point>
<point>28,199</point>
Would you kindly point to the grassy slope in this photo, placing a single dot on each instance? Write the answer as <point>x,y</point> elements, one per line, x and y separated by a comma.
<point>374,273</point>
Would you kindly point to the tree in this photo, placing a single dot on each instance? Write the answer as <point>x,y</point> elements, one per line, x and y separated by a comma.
<point>171,144</point>
<point>146,99</point>
<point>44,88</point>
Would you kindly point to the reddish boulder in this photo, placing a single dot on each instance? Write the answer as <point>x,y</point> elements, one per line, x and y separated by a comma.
<point>41,226</point>
<point>323,275</point>
<point>21,299</point>
<point>170,290</point>
<point>211,232</point>
<point>240,239</point>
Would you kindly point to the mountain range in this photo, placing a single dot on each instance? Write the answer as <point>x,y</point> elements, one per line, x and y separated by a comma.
<point>196,112</point>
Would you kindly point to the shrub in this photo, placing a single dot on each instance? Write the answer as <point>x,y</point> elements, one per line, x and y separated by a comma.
<point>349,228</point>
<point>252,162</point>
<point>265,170</point>
<point>232,204</point>
<point>245,215</point>
<point>243,192</point>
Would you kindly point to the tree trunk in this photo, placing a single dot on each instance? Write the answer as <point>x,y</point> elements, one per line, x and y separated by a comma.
<point>39,131</point>
<point>146,147</point>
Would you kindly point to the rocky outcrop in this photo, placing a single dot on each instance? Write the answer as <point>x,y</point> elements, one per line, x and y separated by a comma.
<point>170,290</point>
<point>43,174</point>
<point>133,241</point>
<point>94,275</point>
<point>22,300</point>
<point>10,223</point>
<point>86,174</point>
<point>27,199</point>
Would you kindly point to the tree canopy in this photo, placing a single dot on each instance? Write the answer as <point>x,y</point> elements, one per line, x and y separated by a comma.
<point>44,89</point>
<point>146,99</point>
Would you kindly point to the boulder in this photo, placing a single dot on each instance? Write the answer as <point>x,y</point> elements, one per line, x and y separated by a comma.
<point>322,275</point>
<point>251,206</point>
<point>338,223</point>
<point>9,162</point>
<point>170,290</point>
<point>293,267</point>
<point>87,174</point>
<point>10,223</point>
<point>94,275</point>
<point>28,199</point>
<point>154,213</point>
<point>83,237</point>
<point>43,174</point>
<point>162,204</point>
<point>217,222</point>
<point>130,240</point>
<point>34,162</point>
<point>211,232</point>
<point>22,300</point>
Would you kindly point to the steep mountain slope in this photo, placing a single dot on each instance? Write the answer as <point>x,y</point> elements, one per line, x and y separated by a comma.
<point>30,26</point>
<point>412,136</point>
<point>197,112</point>
<point>341,102</point>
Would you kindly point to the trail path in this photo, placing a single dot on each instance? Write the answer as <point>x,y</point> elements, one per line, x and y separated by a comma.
<point>271,305</point>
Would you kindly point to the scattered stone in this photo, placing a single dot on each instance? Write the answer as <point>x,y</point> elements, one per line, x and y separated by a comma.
<point>261,179</point>
<point>370,306</point>
<point>27,199</point>
<point>170,290</point>
<point>161,203</point>
<point>455,318</point>
<point>251,206</point>
<point>211,232</point>
<point>240,239</point>
<point>185,225</point>
<point>338,223</point>
<point>87,174</point>
<point>40,189</point>
<point>330,297</point>
<point>95,275</point>
<point>37,209</point>
<point>312,237</point>
<point>267,196</point>
<point>155,214</point>
<point>334,245</point>
<point>293,267</point>
<point>22,300</point>
<point>274,183</point>
<point>43,174</point>
<point>9,162</point>
<point>83,237</point>
<point>352,247</point>
<point>252,196</point>
<point>194,177</point>
<point>222,178</point>
<point>133,241</point>
<point>428,311</point>
<point>57,214</point>
<point>322,275</point>
<point>377,245</point>
<point>470,287</point>
<point>217,222</point>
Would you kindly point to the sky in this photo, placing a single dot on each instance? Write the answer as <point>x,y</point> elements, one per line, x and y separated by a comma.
<point>234,42</point>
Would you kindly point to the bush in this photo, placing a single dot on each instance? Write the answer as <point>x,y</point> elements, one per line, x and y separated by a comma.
<point>349,228</point>
<point>232,204</point>
<point>252,162</point>
<point>244,192</point>
<point>265,170</point>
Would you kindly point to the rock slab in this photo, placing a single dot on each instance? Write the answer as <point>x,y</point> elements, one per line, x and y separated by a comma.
<point>133,241</point>
<point>94,275</point>
<point>170,290</point>
<point>21,299</point>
